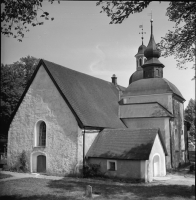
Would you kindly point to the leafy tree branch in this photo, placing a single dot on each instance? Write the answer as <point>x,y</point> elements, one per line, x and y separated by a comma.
<point>16,16</point>
<point>180,43</point>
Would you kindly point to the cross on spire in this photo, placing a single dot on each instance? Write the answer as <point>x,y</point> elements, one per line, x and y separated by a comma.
<point>141,26</point>
<point>150,14</point>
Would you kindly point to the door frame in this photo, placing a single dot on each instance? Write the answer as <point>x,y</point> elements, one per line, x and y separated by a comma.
<point>33,160</point>
<point>159,165</point>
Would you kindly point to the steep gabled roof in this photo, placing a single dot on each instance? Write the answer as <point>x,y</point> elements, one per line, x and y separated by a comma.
<point>124,144</point>
<point>93,101</point>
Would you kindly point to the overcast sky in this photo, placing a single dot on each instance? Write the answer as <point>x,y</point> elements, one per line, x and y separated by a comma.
<point>81,38</point>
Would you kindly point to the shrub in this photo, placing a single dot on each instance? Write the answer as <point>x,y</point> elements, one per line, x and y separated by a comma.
<point>92,170</point>
<point>23,162</point>
<point>21,165</point>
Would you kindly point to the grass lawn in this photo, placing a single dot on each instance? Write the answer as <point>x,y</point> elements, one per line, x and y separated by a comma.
<point>73,189</point>
<point>5,175</point>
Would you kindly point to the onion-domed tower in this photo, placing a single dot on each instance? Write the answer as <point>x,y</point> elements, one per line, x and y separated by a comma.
<point>140,60</point>
<point>154,102</point>
<point>153,68</point>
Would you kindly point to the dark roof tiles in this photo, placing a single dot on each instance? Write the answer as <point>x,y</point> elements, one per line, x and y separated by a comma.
<point>151,86</point>
<point>124,144</point>
<point>95,101</point>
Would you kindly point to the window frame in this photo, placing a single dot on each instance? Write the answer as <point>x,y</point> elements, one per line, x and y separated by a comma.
<point>40,134</point>
<point>109,167</point>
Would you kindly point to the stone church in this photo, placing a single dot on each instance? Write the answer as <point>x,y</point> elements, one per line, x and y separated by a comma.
<point>66,118</point>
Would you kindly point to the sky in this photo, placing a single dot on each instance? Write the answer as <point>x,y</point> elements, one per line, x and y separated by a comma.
<point>81,38</point>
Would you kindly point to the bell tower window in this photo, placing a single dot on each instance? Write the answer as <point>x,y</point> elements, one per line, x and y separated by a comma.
<point>140,62</point>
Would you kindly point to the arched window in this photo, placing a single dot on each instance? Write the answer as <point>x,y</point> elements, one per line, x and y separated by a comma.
<point>140,61</point>
<point>42,134</point>
<point>156,72</point>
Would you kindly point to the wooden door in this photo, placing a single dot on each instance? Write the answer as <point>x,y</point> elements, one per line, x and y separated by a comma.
<point>41,163</point>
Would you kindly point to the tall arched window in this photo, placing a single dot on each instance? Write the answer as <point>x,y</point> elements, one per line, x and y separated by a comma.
<point>140,61</point>
<point>42,134</point>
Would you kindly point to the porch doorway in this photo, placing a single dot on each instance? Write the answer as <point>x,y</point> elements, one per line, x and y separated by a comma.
<point>41,164</point>
<point>156,166</point>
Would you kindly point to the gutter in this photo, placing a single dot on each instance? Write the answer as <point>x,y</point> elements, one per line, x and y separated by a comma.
<point>171,154</point>
<point>84,152</point>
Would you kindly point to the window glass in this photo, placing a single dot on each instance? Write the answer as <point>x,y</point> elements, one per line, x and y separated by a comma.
<point>42,134</point>
<point>111,165</point>
<point>140,62</point>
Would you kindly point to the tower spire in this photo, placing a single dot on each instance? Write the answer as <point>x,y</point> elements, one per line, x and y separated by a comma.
<point>152,54</point>
<point>151,20</point>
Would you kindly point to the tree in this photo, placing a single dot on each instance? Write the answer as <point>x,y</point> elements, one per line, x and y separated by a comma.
<point>181,43</point>
<point>16,16</point>
<point>190,117</point>
<point>14,79</point>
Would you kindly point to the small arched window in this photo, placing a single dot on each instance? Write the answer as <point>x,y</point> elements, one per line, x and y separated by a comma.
<point>140,61</point>
<point>42,134</point>
<point>156,72</point>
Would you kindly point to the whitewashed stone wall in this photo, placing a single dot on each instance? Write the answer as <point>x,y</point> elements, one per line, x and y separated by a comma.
<point>44,102</point>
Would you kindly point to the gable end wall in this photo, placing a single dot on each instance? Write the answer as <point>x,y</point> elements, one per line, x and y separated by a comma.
<point>44,102</point>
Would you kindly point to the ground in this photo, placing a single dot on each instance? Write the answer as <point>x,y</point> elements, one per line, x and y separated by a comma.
<point>33,187</point>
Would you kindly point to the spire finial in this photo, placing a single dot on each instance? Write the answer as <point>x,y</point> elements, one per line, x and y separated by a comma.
<point>141,26</point>
<point>151,20</point>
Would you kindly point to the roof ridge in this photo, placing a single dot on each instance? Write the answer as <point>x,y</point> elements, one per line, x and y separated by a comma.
<point>78,71</point>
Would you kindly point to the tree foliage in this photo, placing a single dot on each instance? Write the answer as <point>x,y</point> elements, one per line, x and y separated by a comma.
<point>16,16</point>
<point>190,116</point>
<point>179,43</point>
<point>14,79</point>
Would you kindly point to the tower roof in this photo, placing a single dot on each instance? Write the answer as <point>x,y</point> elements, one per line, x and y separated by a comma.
<point>151,52</point>
<point>141,49</point>
<point>137,75</point>
<point>152,86</point>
